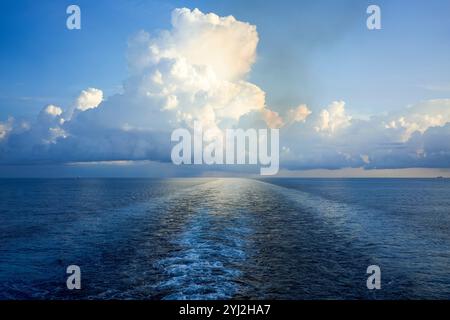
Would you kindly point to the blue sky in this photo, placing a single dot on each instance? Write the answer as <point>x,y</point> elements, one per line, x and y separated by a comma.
<point>309,52</point>
<point>322,48</point>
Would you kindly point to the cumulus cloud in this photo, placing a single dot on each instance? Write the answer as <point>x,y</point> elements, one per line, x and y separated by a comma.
<point>273,119</point>
<point>298,114</point>
<point>89,99</point>
<point>334,139</point>
<point>52,110</point>
<point>224,45</point>
<point>333,118</point>
<point>420,117</point>
<point>197,70</point>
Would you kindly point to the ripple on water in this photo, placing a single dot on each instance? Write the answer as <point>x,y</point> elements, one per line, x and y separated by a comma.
<point>202,267</point>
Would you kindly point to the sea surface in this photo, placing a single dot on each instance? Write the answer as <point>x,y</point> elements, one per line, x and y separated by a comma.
<point>211,238</point>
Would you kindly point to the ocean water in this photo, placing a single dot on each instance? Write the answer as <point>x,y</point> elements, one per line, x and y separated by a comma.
<point>225,238</point>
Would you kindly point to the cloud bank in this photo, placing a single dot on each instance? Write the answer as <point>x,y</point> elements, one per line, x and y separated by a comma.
<point>198,71</point>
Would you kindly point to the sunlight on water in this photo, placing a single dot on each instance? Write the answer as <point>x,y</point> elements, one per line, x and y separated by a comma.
<point>224,238</point>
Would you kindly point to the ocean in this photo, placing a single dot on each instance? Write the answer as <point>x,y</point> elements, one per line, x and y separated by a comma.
<point>225,238</point>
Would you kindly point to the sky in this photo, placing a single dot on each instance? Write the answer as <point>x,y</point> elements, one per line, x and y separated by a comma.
<point>100,101</point>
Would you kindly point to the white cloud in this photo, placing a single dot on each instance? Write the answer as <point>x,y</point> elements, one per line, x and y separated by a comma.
<point>5,127</point>
<point>420,117</point>
<point>226,45</point>
<point>412,137</point>
<point>298,114</point>
<point>272,119</point>
<point>334,118</point>
<point>89,99</point>
<point>52,110</point>
<point>197,70</point>
<point>223,44</point>
<point>365,158</point>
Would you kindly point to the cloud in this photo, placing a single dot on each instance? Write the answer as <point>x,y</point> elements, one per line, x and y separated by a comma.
<point>52,110</point>
<point>298,114</point>
<point>334,139</point>
<point>198,70</point>
<point>333,118</point>
<point>5,128</point>
<point>223,45</point>
<point>420,117</point>
<point>89,99</point>
<point>272,119</point>
<point>443,87</point>
<point>226,45</point>
<point>194,71</point>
